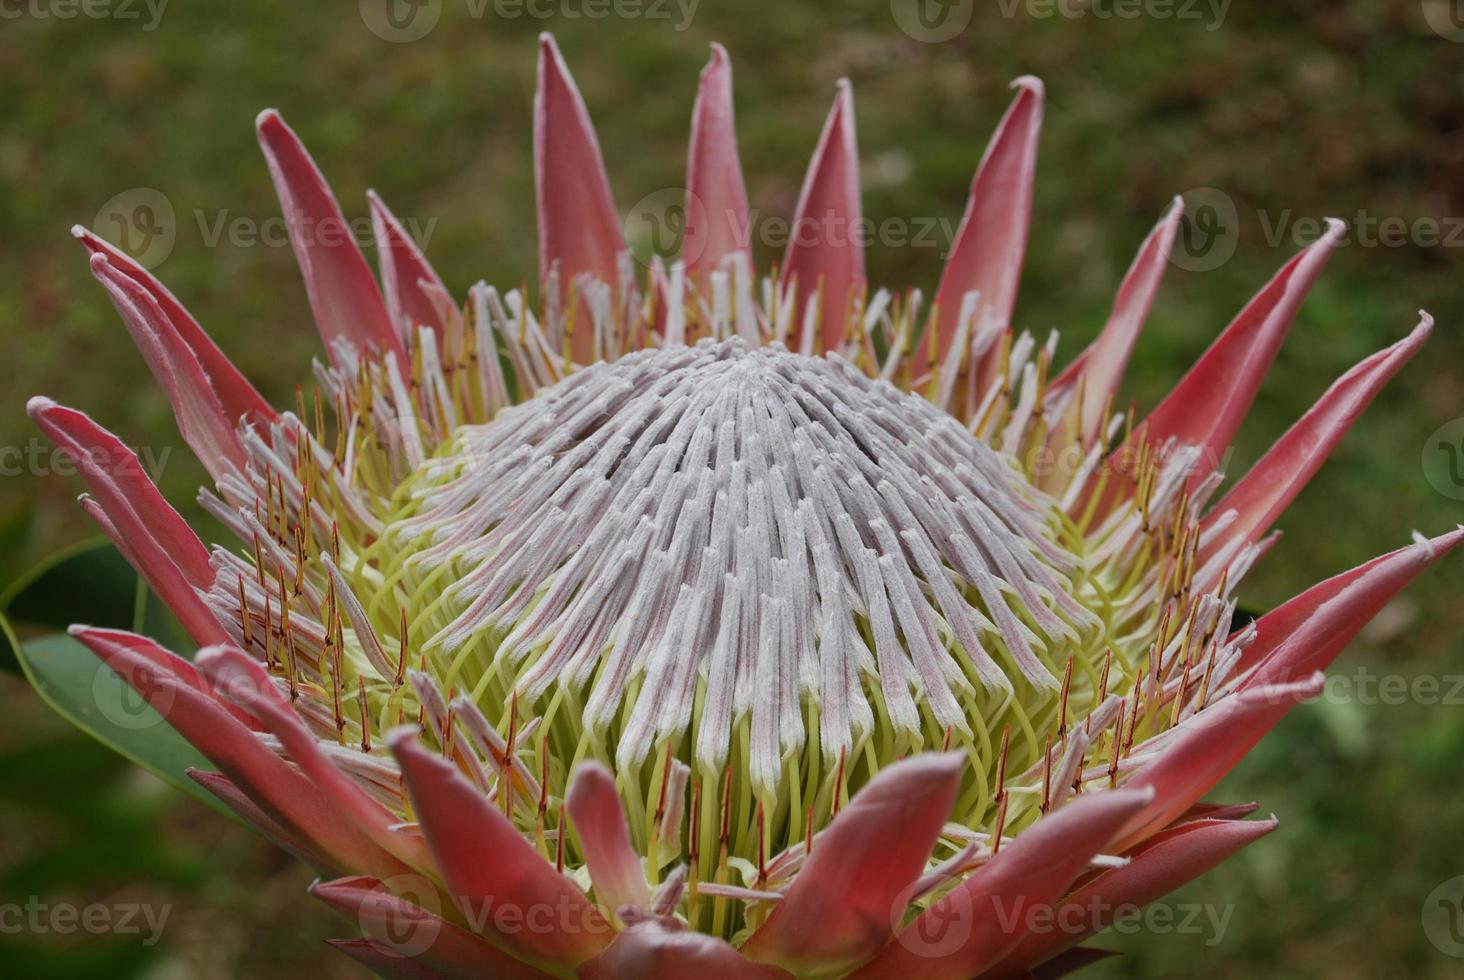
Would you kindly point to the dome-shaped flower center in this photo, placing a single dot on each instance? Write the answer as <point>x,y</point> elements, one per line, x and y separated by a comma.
<point>762,564</point>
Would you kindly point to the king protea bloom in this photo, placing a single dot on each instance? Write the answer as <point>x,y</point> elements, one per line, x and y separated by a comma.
<point>700,624</point>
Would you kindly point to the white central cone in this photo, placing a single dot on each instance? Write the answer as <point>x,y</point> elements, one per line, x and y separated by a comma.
<point>710,536</point>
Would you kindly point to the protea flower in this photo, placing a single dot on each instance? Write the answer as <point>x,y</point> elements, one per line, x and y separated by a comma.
<point>716,625</point>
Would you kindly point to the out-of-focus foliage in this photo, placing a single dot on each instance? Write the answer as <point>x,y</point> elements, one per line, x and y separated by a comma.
<point>1294,109</point>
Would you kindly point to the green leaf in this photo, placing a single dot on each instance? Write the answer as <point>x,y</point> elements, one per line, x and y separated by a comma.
<point>92,696</point>
<point>91,583</point>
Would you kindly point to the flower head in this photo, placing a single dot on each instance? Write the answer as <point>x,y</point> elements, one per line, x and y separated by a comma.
<point>760,626</point>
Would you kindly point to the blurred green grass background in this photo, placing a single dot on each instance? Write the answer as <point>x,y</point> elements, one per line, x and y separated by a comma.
<point>1322,108</point>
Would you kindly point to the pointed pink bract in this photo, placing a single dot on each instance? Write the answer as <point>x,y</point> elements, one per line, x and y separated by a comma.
<point>343,294</point>
<point>237,396</point>
<point>825,255</point>
<point>987,911</point>
<point>992,239</point>
<point>599,822</point>
<point>447,949</point>
<point>1307,633</point>
<point>408,280</point>
<point>657,950</point>
<point>1264,493</point>
<point>717,214</point>
<point>579,230</point>
<point>266,826</point>
<point>243,680</point>
<point>1205,748</point>
<point>204,424</point>
<point>1207,406</point>
<point>141,523</point>
<point>487,864</point>
<point>1095,376</point>
<point>382,960</point>
<point>1165,862</point>
<point>283,794</point>
<point>836,915</point>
